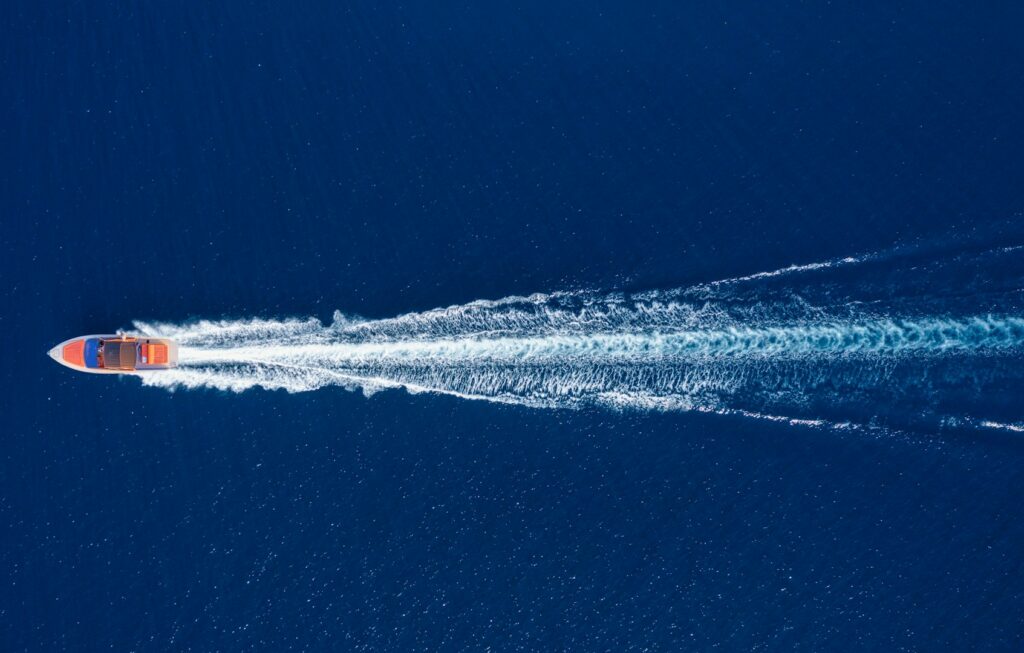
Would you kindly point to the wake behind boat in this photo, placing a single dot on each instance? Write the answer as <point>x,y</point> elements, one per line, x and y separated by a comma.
<point>116,354</point>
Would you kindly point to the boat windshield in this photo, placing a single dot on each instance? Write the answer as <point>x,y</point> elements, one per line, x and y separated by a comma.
<point>119,354</point>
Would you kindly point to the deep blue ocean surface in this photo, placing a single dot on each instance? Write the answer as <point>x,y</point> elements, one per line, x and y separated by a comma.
<point>847,478</point>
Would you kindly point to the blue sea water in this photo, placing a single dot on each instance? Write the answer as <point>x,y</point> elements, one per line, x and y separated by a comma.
<point>168,163</point>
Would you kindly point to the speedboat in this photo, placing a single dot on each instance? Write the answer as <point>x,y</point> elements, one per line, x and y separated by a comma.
<point>116,354</point>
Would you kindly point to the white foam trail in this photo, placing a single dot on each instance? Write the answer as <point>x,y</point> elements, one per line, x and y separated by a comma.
<point>909,341</point>
<point>577,349</point>
<point>889,337</point>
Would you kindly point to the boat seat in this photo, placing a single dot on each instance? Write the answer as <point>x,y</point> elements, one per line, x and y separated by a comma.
<point>155,353</point>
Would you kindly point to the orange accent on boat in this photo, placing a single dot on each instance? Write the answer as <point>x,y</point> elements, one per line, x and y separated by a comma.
<point>74,353</point>
<point>156,354</point>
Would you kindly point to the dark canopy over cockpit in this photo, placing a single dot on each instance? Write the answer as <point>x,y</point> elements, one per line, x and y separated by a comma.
<point>119,354</point>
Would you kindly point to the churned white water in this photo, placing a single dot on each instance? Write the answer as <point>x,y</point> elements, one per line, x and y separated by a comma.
<point>690,349</point>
